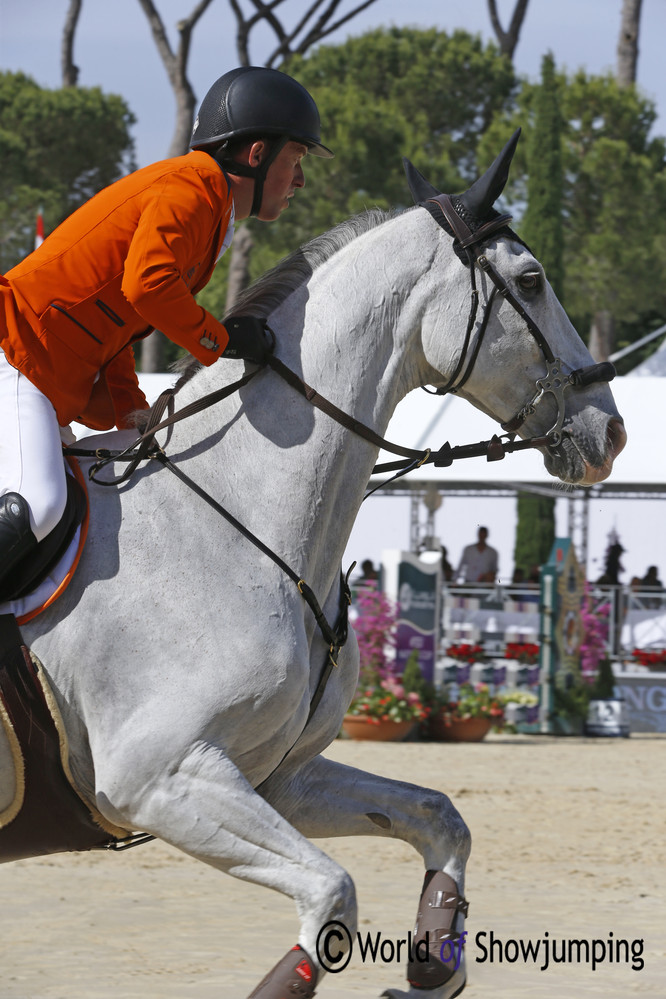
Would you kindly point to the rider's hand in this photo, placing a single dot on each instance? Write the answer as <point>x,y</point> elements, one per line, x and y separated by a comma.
<point>248,339</point>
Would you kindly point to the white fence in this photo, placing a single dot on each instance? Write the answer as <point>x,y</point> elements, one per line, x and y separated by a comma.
<point>494,616</point>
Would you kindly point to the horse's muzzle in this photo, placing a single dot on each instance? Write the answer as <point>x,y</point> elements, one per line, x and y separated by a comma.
<point>616,438</point>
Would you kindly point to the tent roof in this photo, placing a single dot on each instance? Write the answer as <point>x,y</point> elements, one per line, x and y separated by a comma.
<point>423,420</point>
<point>654,365</point>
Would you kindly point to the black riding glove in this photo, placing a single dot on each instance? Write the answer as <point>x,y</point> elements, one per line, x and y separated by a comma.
<point>248,340</point>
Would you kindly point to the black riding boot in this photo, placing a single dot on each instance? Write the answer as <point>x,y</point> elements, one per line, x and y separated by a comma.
<point>16,538</point>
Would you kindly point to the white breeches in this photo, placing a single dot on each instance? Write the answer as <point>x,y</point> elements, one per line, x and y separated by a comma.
<point>31,461</point>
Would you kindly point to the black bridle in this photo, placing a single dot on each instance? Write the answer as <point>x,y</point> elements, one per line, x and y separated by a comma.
<point>555,382</point>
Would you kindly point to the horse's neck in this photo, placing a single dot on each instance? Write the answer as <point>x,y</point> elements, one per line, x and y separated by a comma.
<point>349,334</point>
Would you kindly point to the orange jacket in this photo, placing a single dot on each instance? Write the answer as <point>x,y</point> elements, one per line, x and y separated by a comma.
<point>128,261</point>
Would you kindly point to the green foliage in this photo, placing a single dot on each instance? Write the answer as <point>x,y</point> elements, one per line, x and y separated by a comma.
<point>543,231</point>
<point>414,681</point>
<point>383,95</point>
<point>535,531</point>
<point>604,684</point>
<point>571,703</point>
<point>614,197</point>
<point>58,148</point>
<point>542,226</point>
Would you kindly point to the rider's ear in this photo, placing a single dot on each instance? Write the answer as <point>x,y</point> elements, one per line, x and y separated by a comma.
<point>257,153</point>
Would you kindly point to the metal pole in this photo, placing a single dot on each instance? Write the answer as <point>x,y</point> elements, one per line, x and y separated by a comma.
<point>546,659</point>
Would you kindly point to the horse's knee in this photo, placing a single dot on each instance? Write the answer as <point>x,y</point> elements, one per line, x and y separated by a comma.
<point>446,825</point>
<point>332,896</point>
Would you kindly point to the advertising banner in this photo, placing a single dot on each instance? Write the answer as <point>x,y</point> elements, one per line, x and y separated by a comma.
<point>415,586</point>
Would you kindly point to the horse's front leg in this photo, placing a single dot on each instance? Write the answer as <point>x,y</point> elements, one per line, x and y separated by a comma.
<point>204,806</point>
<point>325,798</point>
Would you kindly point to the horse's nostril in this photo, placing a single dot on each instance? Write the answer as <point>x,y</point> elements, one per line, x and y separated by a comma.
<point>616,437</point>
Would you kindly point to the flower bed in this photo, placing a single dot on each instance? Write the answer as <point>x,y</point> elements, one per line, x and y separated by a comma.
<point>654,659</point>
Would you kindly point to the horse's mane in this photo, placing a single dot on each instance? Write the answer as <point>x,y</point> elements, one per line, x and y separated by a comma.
<point>273,287</point>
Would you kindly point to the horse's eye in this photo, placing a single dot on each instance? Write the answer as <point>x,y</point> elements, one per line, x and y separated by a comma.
<point>530,282</point>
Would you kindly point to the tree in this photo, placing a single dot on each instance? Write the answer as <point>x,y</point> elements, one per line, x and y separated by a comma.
<point>70,72</point>
<point>616,228</point>
<point>384,94</point>
<point>542,226</point>
<point>58,148</point>
<point>614,198</point>
<point>175,64</point>
<point>508,39</point>
<point>627,45</point>
<point>542,229</point>
<point>297,41</point>
<point>534,540</point>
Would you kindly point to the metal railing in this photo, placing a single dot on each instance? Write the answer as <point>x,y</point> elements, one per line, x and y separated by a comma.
<point>494,615</point>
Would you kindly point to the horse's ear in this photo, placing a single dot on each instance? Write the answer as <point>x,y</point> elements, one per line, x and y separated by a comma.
<point>420,188</point>
<point>485,191</point>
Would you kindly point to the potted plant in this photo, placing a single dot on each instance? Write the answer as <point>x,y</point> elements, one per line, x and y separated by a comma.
<point>606,711</point>
<point>466,716</point>
<point>526,653</point>
<point>465,652</point>
<point>382,707</point>
<point>571,704</point>
<point>383,711</point>
<point>652,659</point>
<point>520,708</point>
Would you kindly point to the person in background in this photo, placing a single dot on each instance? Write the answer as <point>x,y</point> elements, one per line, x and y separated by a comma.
<point>368,575</point>
<point>651,581</point>
<point>479,562</point>
<point>447,569</point>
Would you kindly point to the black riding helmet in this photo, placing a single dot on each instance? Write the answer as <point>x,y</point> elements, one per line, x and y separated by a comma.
<point>256,103</point>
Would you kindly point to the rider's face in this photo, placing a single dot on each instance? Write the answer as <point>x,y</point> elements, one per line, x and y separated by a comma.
<point>285,175</point>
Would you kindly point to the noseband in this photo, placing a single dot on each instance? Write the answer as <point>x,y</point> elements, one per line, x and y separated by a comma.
<point>555,382</point>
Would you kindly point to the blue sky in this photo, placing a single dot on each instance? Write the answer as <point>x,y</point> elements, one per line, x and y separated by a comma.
<point>114,48</point>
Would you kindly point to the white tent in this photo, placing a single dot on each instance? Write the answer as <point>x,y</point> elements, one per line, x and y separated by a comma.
<point>475,491</point>
<point>422,420</point>
<point>654,365</point>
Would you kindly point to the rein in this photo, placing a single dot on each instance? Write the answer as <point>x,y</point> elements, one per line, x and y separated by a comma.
<point>146,447</point>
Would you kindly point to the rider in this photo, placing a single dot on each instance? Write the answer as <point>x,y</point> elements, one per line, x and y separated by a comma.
<point>128,261</point>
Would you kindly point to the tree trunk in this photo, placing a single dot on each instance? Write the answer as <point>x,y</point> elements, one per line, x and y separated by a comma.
<point>70,72</point>
<point>185,107</point>
<point>602,335</point>
<point>508,39</point>
<point>239,267</point>
<point>152,353</point>
<point>627,45</point>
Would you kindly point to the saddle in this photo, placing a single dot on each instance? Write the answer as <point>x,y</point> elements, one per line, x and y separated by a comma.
<point>46,815</point>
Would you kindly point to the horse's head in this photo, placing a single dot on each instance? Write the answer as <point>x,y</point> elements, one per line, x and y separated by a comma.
<point>520,360</point>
